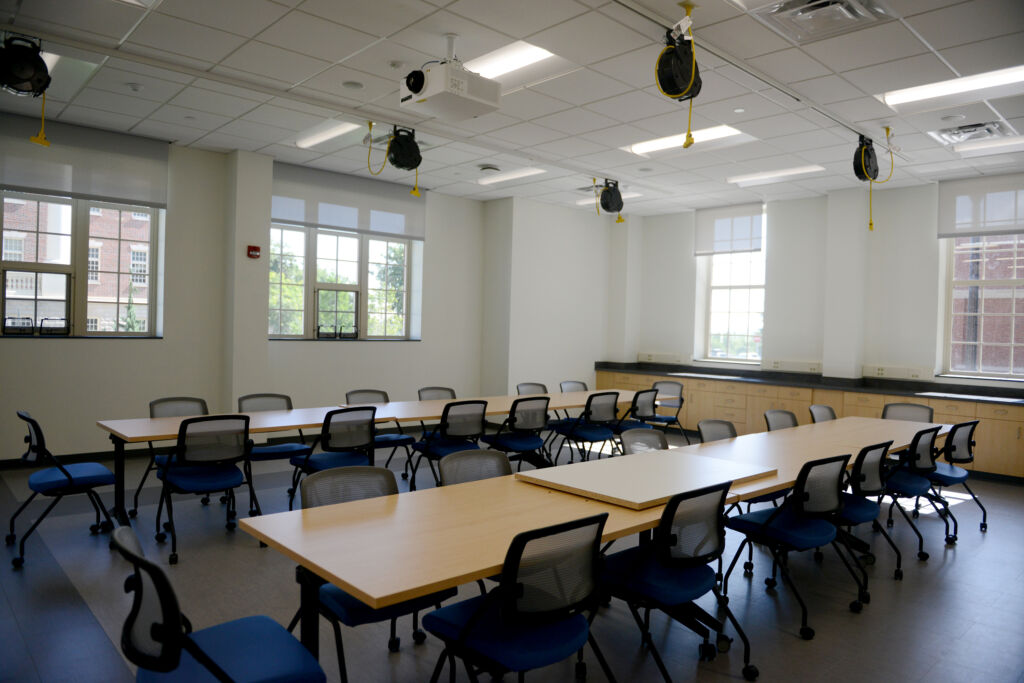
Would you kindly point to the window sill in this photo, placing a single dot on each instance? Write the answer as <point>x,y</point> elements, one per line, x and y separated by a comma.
<point>729,361</point>
<point>988,378</point>
<point>337,341</point>
<point>72,336</point>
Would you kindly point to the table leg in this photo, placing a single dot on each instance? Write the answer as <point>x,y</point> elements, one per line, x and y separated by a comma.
<point>118,512</point>
<point>309,614</point>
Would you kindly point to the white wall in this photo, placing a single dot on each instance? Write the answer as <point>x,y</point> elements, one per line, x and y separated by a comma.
<point>667,285</point>
<point>497,292</point>
<point>625,268</point>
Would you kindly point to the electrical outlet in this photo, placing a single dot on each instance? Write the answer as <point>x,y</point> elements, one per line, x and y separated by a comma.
<point>775,365</point>
<point>813,367</point>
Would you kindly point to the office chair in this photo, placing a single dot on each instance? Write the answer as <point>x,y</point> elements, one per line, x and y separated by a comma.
<point>822,413</point>
<point>342,485</point>
<point>779,419</point>
<point>254,403</point>
<point>640,440</point>
<point>392,441</point>
<point>715,430</point>
<point>173,406</point>
<point>531,388</point>
<point>519,435</point>
<point>159,639</point>
<point>640,410</point>
<point>593,426</point>
<point>539,614</point>
<point>56,482</point>
<point>672,572</point>
<point>346,439</point>
<point>958,449</point>
<point>913,412</point>
<point>466,466</point>
<point>433,393</point>
<point>670,395</point>
<point>462,424</point>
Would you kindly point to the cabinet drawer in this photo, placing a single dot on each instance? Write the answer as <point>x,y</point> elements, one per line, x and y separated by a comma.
<point>795,394</point>
<point>730,401</point>
<point>762,391</point>
<point>703,385</point>
<point>734,415</point>
<point>996,411</point>
<point>958,408</point>
<point>864,400</point>
<point>731,388</point>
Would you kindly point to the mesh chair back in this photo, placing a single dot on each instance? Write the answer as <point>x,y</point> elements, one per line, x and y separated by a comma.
<point>345,484</point>
<point>692,527</point>
<point>463,419</point>
<point>921,454</point>
<point>913,412</point>
<point>348,428</point>
<point>572,385</point>
<point>779,419</point>
<point>464,466</point>
<point>822,413</point>
<point>531,388</point>
<point>669,390</point>
<point>529,414</point>
<point>551,572</point>
<point>640,440</point>
<point>213,439</point>
<point>603,407</point>
<point>819,485</point>
<point>153,632</point>
<point>715,430</point>
<point>36,452</point>
<point>868,478</point>
<point>254,403</point>
<point>366,396</point>
<point>960,442</point>
<point>430,393</point>
<point>643,404</point>
<point>178,406</point>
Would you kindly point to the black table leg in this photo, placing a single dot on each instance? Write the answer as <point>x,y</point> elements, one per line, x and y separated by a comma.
<point>118,512</point>
<point>309,615</point>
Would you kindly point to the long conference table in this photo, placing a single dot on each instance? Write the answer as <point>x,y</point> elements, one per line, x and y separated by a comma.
<point>390,549</point>
<point>147,429</point>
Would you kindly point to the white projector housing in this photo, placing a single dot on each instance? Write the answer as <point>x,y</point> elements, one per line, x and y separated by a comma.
<point>452,93</point>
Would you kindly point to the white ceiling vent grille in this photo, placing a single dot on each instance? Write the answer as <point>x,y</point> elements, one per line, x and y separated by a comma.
<point>971,132</point>
<point>804,21</point>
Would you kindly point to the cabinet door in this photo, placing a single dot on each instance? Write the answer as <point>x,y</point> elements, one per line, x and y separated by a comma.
<point>802,409</point>
<point>604,380</point>
<point>862,405</point>
<point>756,406</point>
<point>998,447</point>
<point>827,397</point>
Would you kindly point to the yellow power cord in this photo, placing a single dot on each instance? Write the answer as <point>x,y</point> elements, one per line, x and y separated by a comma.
<point>40,138</point>
<point>871,182</point>
<point>386,151</point>
<point>597,196</point>
<point>693,75</point>
<point>415,191</point>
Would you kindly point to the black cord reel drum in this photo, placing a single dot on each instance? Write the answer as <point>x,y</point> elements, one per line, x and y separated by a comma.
<point>676,70</point>
<point>865,163</point>
<point>403,152</point>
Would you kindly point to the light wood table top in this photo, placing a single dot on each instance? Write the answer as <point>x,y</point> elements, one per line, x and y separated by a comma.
<point>404,411</point>
<point>644,480</point>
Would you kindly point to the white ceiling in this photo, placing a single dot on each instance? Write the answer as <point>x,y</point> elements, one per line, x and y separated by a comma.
<point>252,74</point>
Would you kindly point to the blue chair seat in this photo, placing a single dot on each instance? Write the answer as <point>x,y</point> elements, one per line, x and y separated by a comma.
<point>329,460</point>
<point>582,431</point>
<point>946,474</point>
<point>250,649</point>
<point>514,442</point>
<point>795,531</point>
<point>663,419</point>
<point>906,483</point>
<point>279,451</point>
<point>638,573</point>
<point>161,460</point>
<point>857,510</point>
<point>202,478</point>
<point>353,612</point>
<point>439,447</point>
<point>620,427</point>
<point>83,475</point>
<point>393,440</point>
<point>515,647</point>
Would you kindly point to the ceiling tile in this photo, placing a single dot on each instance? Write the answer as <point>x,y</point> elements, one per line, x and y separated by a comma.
<point>827,89</point>
<point>715,86</point>
<point>1009,107</point>
<point>295,105</point>
<point>932,120</point>
<point>146,70</point>
<point>526,134</point>
<point>337,164</point>
<point>184,38</point>
<point>807,139</point>
<point>771,126</point>
<point>703,15</point>
<point>96,118</point>
<point>132,50</point>
<point>289,154</point>
<point>900,73</point>
<point>607,161</point>
<point>753,106</point>
<point>968,22</point>
<point>618,136</point>
<point>428,36</point>
<point>486,123</point>
<point>635,68</point>
<point>30,106</point>
<point>220,142</point>
<point>749,150</point>
<point>789,65</point>
<point>274,62</point>
<point>567,148</point>
<point>284,118</point>
<point>378,18</point>
<point>378,58</point>
<point>213,102</point>
<point>582,86</point>
<point>148,88</point>
<point>182,135</point>
<point>866,47</point>
<point>589,38</point>
<point>989,55</point>
<point>188,118</point>
<point>244,17</point>
<point>634,105</point>
<point>575,121</point>
<point>119,104</point>
<point>448,155</point>
<point>861,109</point>
<point>743,36</point>
<point>671,124</point>
<point>112,19</point>
<point>256,131</point>
<point>528,104</point>
<point>332,79</point>
<point>315,36</point>
<point>520,18</point>
<point>227,89</point>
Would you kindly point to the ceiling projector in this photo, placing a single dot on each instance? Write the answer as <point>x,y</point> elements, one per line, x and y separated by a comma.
<point>449,91</point>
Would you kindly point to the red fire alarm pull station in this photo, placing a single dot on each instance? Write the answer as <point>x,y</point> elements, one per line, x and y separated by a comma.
<point>254,251</point>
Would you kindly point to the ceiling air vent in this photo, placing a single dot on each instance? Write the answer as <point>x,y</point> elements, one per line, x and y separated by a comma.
<point>804,21</point>
<point>972,132</point>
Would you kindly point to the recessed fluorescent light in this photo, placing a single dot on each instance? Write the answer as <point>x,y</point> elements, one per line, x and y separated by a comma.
<point>1001,83</point>
<point>510,175</point>
<point>625,195</point>
<point>768,177</point>
<point>322,132</point>
<point>980,148</point>
<point>702,135</point>
<point>507,59</point>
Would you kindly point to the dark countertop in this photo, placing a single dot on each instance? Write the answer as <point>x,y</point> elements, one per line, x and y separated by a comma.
<point>896,387</point>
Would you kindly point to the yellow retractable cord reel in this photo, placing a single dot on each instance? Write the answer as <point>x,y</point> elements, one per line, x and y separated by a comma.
<point>865,167</point>
<point>23,72</point>
<point>402,152</point>
<point>676,71</point>
<point>609,198</point>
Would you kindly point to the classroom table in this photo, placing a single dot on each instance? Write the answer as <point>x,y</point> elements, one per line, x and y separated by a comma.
<point>444,537</point>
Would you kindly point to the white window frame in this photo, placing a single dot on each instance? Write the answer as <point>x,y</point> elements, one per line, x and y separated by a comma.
<point>138,277</point>
<point>710,289</point>
<point>93,273</point>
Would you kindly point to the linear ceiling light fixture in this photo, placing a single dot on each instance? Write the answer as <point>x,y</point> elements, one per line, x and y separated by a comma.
<point>506,59</point>
<point>510,175</point>
<point>322,132</point>
<point>956,91</point>
<point>702,135</point>
<point>980,148</point>
<point>768,177</point>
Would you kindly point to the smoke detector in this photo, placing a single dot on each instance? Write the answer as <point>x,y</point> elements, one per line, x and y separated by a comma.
<point>971,132</point>
<point>804,21</point>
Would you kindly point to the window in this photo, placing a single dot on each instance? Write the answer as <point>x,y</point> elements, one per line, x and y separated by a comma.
<point>386,288</point>
<point>287,281</point>
<point>14,248</point>
<point>92,324</point>
<point>139,263</point>
<point>118,297</point>
<point>94,260</point>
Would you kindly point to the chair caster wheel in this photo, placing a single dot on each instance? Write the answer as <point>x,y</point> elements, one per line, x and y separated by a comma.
<point>922,556</point>
<point>868,559</point>
<point>223,499</point>
<point>706,651</point>
<point>254,513</point>
<point>819,556</point>
<point>232,514</point>
<point>748,567</point>
<point>94,529</point>
<point>888,523</point>
<point>718,578</point>
<point>18,562</point>
<point>806,632</point>
<point>750,672</point>
<point>106,527</point>
<point>747,574</point>
<point>951,539</point>
<point>161,537</point>
<point>770,583</point>
<point>723,600</point>
<point>864,597</point>
<point>394,644</point>
<point>133,513</point>
<point>856,607</point>
<point>205,500</point>
<point>419,637</point>
<point>9,539</point>
<point>581,671</point>
<point>723,642</point>
<point>291,492</point>
<point>915,514</point>
<point>172,558</point>
<point>405,475</point>
<point>983,526</point>
<point>898,574</point>
<point>167,526</point>
<point>230,526</point>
